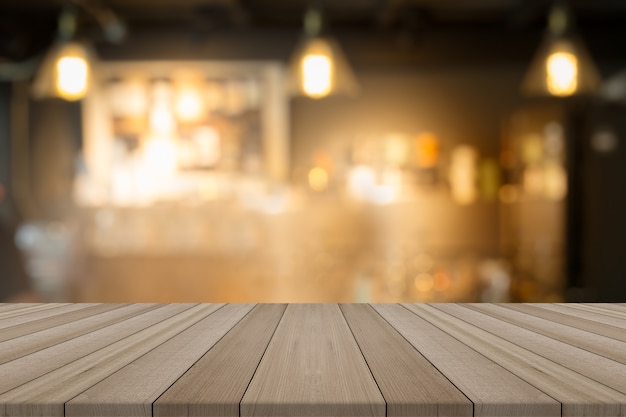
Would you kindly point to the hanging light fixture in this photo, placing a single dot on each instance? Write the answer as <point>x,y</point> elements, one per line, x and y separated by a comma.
<point>562,66</point>
<point>318,66</point>
<point>66,70</point>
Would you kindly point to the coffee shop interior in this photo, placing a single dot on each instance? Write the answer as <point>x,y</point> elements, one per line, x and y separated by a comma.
<point>313,151</point>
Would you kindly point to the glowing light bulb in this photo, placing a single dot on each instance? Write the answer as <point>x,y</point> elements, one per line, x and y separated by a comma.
<point>189,105</point>
<point>562,73</point>
<point>318,179</point>
<point>72,74</point>
<point>317,75</point>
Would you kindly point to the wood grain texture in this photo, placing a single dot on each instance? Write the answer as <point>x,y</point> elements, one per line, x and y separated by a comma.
<point>613,307</point>
<point>55,320</point>
<point>600,345</point>
<point>597,309</point>
<point>131,391</point>
<point>411,386</point>
<point>494,390</point>
<point>47,395</point>
<point>41,315</point>
<point>579,323</point>
<point>579,395</point>
<point>197,360</point>
<point>56,356</point>
<point>29,308</point>
<point>606,371</point>
<point>5,307</point>
<point>584,314</point>
<point>215,385</point>
<point>17,347</point>
<point>313,367</point>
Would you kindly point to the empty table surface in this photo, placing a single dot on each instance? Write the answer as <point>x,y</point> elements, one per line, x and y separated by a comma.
<point>312,360</point>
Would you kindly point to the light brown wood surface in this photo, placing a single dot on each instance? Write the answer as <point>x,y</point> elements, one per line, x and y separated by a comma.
<point>215,385</point>
<point>395,367</point>
<point>494,390</point>
<point>312,360</point>
<point>132,390</point>
<point>578,395</point>
<point>312,367</point>
<point>54,321</point>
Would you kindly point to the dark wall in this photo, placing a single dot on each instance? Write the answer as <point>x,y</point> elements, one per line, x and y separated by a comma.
<point>5,149</point>
<point>603,211</point>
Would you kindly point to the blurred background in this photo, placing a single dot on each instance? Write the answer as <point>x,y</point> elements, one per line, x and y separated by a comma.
<point>303,151</point>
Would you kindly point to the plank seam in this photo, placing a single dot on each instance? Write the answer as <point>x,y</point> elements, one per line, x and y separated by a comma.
<point>97,350</point>
<point>363,356</point>
<point>261,358</point>
<point>592,323</point>
<point>481,354</point>
<point>541,334</point>
<point>82,318</point>
<point>548,359</point>
<point>589,319</point>
<point>88,388</point>
<point>204,354</point>
<point>425,358</point>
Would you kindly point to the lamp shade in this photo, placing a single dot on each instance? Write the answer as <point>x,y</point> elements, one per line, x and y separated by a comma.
<point>318,68</point>
<point>65,72</point>
<point>562,67</point>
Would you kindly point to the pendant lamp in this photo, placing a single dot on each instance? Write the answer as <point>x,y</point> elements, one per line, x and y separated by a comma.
<point>562,66</point>
<point>66,70</point>
<point>318,66</point>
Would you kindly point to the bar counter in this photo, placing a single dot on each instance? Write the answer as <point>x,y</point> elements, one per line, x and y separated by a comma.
<point>312,360</point>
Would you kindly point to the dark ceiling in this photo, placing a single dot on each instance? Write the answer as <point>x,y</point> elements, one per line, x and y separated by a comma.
<point>28,26</point>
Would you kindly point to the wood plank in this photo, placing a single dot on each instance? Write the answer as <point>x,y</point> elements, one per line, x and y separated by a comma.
<point>18,347</point>
<point>410,384</point>
<point>31,308</point>
<point>40,317</point>
<point>131,391</point>
<point>215,385</point>
<point>579,395</point>
<point>494,390</point>
<point>584,314</point>
<point>46,360</point>
<point>4,307</point>
<point>600,345</point>
<point>597,309</point>
<point>47,394</point>
<point>579,323</point>
<point>609,306</point>
<point>606,371</point>
<point>45,324</point>
<point>312,367</point>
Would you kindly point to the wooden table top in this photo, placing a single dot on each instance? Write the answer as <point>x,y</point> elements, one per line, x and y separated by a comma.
<point>312,360</point>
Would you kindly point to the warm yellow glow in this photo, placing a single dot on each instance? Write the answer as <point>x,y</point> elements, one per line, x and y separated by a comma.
<point>361,180</point>
<point>317,75</point>
<point>441,282</point>
<point>424,282</point>
<point>161,119</point>
<point>189,105</point>
<point>160,158</point>
<point>463,174</point>
<point>555,181</point>
<point>427,150</point>
<point>562,73</point>
<point>72,75</point>
<point>318,179</point>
